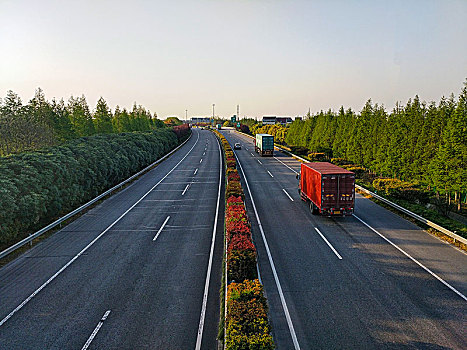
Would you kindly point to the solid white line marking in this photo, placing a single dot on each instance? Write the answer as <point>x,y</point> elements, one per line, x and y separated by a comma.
<point>252,154</point>
<point>259,162</point>
<point>288,195</point>
<point>183,193</point>
<point>201,160</point>
<point>20,306</point>
<point>270,173</point>
<point>329,244</point>
<point>196,170</point>
<point>162,227</point>
<point>285,165</point>
<point>94,333</point>
<point>208,274</point>
<point>273,268</point>
<point>413,259</point>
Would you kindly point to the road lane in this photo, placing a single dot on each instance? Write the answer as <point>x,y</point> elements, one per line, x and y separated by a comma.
<point>154,288</point>
<point>375,297</point>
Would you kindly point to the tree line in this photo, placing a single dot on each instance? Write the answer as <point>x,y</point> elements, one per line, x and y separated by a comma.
<point>41,123</point>
<point>418,141</point>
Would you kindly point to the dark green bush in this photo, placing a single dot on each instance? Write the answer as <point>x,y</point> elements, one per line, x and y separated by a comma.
<point>37,187</point>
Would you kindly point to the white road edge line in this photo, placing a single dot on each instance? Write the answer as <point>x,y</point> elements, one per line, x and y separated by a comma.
<point>208,274</point>
<point>162,227</point>
<point>288,195</point>
<point>196,170</point>
<point>183,193</point>
<point>270,173</point>
<point>93,334</point>
<point>285,165</point>
<point>259,161</point>
<point>329,244</point>
<point>413,259</point>
<point>20,306</point>
<point>273,267</point>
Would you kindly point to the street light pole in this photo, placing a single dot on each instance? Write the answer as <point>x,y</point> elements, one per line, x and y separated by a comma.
<point>186,115</point>
<point>213,112</point>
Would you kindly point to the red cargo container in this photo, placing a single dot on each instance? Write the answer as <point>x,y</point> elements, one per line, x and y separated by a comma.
<point>329,188</point>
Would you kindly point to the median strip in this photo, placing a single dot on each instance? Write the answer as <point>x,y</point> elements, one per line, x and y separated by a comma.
<point>245,306</point>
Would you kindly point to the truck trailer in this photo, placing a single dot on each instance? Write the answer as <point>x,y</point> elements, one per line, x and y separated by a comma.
<point>264,144</point>
<point>329,189</point>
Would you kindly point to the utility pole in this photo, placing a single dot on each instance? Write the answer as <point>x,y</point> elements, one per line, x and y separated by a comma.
<point>213,110</point>
<point>186,115</point>
<point>238,112</point>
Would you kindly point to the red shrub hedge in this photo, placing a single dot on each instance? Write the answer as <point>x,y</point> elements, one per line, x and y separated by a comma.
<point>241,258</point>
<point>247,324</point>
<point>181,130</point>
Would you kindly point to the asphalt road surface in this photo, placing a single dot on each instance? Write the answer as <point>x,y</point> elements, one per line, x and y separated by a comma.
<point>131,273</point>
<point>371,281</point>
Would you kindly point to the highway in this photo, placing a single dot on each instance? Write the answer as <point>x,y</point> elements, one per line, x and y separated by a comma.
<point>141,270</point>
<point>371,281</point>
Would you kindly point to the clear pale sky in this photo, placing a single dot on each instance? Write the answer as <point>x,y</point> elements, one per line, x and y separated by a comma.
<point>271,57</point>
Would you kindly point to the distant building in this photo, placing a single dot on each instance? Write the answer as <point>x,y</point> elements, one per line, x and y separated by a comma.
<point>284,120</point>
<point>197,120</point>
<point>269,119</point>
<point>272,119</point>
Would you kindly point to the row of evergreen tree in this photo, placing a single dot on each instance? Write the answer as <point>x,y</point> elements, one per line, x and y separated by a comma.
<point>417,141</point>
<point>41,123</point>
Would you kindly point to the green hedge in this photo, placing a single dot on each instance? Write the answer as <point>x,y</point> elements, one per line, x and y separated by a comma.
<point>37,187</point>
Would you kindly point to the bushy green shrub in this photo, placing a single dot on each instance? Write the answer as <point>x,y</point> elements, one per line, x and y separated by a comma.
<point>37,187</point>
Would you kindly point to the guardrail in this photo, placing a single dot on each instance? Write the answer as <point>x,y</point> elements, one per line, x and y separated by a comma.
<point>447,232</point>
<point>30,238</point>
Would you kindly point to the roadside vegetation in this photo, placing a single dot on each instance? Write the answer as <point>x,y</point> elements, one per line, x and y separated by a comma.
<point>56,156</point>
<point>41,123</point>
<point>415,155</point>
<point>246,322</point>
<point>38,187</point>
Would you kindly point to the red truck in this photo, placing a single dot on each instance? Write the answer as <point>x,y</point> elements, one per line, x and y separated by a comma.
<point>329,188</point>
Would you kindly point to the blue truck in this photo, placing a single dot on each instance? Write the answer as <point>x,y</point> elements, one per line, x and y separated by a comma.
<point>264,144</point>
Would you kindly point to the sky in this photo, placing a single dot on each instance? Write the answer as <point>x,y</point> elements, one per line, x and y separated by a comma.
<point>271,57</point>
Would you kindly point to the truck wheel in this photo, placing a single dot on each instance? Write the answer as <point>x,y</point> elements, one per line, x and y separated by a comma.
<point>313,208</point>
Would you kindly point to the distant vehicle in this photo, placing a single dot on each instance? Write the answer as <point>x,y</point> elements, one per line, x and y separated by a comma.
<point>237,146</point>
<point>219,126</point>
<point>264,144</point>
<point>329,189</point>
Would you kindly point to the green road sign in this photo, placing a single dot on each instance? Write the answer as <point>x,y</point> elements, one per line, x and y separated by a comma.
<point>233,119</point>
